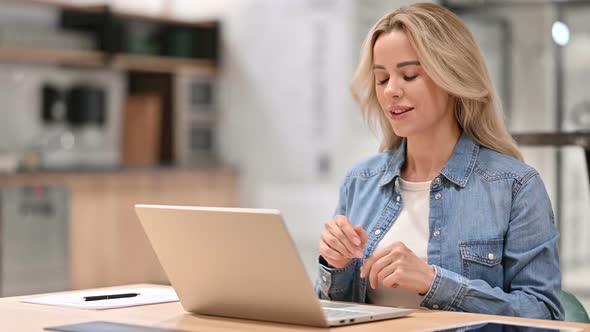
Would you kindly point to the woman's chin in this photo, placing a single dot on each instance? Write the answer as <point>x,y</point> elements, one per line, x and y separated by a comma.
<point>400,131</point>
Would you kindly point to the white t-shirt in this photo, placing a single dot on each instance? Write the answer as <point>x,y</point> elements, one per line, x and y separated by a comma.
<point>411,228</point>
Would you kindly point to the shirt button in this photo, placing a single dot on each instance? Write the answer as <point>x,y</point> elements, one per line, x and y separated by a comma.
<point>377,232</point>
<point>490,256</point>
<point>435,306</point>
<point>324,278</point>
<point>436,233</point>
<point>398,198</point>
<point>438,196</point>
<point>437,180</point>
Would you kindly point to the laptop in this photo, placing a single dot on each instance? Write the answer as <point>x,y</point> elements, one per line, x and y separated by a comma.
<point>242,263</point>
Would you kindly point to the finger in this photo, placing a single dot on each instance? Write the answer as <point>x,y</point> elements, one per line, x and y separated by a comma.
<point>362,235</point>
<point>376,269</point>
<point>330,255</point>
<point>368,263</point>
<point>399,247</point>
<point>335,245</point>
<point>398,251</point>
<point>392,280</point>
<point>336,232</point>
<point>339,234</point>
<point>366,267</point>
<point>347,229</point>
<point>386,272</point>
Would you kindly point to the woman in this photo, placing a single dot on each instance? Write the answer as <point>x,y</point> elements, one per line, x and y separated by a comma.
<point>447,216</point>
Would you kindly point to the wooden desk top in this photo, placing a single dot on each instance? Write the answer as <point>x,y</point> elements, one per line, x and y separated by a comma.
<point>17,316</point>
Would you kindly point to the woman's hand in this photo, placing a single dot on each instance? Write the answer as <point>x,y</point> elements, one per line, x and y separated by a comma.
<point>398,266</point>
<point>341,242</point>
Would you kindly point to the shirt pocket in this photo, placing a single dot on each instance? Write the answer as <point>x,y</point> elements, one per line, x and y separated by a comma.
<point>482,259</point>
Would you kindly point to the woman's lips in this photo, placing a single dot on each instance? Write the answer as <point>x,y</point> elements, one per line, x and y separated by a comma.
<point>397,113</point>
<point>401,110</point>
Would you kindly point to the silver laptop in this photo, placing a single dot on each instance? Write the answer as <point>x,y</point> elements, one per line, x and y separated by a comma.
<point>242,263</point>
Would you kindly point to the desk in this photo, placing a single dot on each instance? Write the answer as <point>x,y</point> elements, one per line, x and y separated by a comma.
<point>17,316</point>
<point>581,139</point>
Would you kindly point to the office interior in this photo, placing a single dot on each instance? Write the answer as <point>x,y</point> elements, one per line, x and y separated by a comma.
<point>239,103</point>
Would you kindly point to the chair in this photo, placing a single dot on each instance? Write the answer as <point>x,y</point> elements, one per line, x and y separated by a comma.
<point>574,310</point>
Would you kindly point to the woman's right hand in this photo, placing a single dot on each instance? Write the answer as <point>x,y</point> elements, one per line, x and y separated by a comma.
<point>341,242</point>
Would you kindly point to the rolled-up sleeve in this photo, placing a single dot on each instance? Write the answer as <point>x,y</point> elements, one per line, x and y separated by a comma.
<point>336,284</point>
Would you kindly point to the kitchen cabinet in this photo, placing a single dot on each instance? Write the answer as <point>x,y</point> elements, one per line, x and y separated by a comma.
<point>106,243</point>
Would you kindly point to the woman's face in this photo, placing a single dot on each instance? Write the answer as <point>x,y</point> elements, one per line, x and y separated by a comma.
<point>411,101</point>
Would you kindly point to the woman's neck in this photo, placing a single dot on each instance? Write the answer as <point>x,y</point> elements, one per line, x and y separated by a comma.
<point>427,155</point>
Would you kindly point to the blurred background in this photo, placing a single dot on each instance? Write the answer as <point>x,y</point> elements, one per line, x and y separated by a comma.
<point>105,104</point>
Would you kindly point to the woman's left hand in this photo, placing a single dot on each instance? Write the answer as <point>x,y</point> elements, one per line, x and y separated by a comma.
<point>397,266</point>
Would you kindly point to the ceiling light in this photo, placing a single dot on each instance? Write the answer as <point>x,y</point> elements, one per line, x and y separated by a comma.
<point>560,33</point>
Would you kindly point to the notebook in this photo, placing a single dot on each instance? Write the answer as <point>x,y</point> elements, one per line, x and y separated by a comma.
<point>242,263</point>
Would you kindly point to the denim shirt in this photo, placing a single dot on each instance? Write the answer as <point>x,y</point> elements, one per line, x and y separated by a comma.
<point>493,239</point>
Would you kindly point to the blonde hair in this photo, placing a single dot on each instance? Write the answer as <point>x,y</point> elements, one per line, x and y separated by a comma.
<point>450,56</point>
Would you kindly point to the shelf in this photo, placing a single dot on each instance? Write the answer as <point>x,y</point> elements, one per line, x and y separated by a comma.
<point>162,19</point>
<point>60,4</point>
<point>11,178</point>
<point>100,8</point>
<point>162,64</point>
<point>109,34</point>
<point>581,139</point>
<point>52,56</point>
<point>95,58</point>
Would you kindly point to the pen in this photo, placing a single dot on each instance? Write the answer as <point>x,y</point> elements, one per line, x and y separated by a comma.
<point>108,297</point>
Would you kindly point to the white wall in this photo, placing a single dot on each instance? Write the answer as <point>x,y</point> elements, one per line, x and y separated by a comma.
<point>576,207</point>
<point>286,104</point>
<point>532,77</point>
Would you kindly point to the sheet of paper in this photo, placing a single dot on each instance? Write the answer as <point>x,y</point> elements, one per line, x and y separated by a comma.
<point>98,326</point>
<point>76,299</point>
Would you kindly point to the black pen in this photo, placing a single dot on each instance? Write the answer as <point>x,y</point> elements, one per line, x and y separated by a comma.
<point>108,297</point>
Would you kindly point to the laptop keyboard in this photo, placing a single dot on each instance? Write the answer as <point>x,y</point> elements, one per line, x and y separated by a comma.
<point>342,313</point>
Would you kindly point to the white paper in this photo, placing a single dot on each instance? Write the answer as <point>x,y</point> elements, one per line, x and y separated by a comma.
<point>76,299</point>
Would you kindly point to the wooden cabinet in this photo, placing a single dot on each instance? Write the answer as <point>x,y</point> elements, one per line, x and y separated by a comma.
<point>121,39</point>
<point>158,55</point>
<point>107,244</point>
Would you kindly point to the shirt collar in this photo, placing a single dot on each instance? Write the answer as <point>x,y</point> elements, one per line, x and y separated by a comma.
<point>457,170</point>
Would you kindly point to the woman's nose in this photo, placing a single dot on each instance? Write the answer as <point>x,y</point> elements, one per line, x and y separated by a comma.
<point>393,89</point>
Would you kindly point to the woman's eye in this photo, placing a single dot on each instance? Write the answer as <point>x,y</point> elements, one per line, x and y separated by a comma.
<point>410,78</point>
<point>383,81</point>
